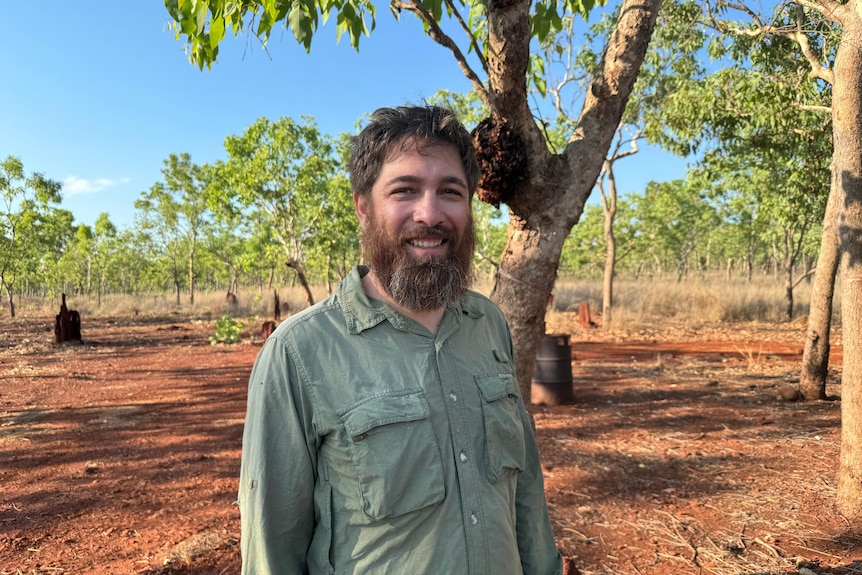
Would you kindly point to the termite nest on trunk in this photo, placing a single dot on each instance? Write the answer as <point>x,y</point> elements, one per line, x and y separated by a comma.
<point>502,161</point>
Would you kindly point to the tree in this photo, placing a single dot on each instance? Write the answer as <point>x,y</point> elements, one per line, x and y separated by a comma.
<point>287,171</point>
<point>677,217</point>
<point>545,191</point>
<point>26,200</point>
<point>826,36</point>
<point>177,209</point>
<point>104,243</point>
<point>766,108</point>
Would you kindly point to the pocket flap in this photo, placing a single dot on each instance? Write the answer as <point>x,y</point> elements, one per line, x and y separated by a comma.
<point>497,386</point>
<point>385,409</point>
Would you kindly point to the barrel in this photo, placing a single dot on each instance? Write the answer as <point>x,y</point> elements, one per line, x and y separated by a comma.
<point>552,374</point>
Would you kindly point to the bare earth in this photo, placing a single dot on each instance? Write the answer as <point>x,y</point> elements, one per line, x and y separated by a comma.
<point>121,455</point>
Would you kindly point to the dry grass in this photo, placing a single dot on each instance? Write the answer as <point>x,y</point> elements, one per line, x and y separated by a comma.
<point>697,301</point>
<point>252,304</point>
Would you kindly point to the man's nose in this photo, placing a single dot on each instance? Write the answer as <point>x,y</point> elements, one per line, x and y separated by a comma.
<point>428,210</point>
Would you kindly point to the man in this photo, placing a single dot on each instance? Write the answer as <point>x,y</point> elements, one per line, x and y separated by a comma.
<point>385,433</point>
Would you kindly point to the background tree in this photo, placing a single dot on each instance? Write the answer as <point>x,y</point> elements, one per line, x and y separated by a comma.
<point>27,200</point>
<point>763,109</point>
<point>176,209</point>
<point>103,245</point>
<point>825,36</point>
<point>286,170</point>
<point>545,191</point>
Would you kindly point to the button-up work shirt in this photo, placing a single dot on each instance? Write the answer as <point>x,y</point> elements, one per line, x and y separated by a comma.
<point>372,446</point>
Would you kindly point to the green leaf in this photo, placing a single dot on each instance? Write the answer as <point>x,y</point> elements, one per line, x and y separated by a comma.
<point>217,28</point>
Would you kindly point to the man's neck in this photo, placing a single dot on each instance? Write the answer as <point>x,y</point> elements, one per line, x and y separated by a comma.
<point>429,319</point>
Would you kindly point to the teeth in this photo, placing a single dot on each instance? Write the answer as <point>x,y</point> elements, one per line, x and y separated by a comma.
<point>426,243</point>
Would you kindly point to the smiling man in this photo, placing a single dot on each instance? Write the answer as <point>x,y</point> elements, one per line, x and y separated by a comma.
<point>385,433</point>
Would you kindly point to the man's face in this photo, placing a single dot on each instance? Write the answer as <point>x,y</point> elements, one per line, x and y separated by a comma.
<point>417,227</point>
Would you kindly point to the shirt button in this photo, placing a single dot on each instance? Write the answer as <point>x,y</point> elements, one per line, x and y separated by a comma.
<point>463,457</point>
<point>453,397</point>
<point>473,519</point>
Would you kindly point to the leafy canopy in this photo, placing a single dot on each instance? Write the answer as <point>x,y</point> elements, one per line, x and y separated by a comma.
<point>204,23</point>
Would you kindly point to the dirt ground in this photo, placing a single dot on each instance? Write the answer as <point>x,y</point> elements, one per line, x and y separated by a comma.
<point>121,455</point>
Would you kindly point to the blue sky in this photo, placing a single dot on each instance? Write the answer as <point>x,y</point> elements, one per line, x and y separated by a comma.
<point>98,94</point>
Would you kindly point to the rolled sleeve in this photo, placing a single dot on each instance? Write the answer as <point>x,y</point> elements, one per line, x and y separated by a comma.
<point>277,472</point>
<point>538,550</point>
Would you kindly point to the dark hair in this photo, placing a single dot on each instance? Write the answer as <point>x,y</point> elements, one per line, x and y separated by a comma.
<point>395,129</point>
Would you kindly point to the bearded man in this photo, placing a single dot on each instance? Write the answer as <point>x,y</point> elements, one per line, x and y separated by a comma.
<point>385,433</point>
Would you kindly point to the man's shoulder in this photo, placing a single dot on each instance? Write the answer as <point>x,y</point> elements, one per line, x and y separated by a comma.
<point>315,318</point>
<point>482,304</point>
<point>480,300</point>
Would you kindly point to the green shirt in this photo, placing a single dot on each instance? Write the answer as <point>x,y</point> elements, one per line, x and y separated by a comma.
<point>372,446</point>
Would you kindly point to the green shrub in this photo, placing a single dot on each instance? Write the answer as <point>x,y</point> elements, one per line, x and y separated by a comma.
<point>227,330</point>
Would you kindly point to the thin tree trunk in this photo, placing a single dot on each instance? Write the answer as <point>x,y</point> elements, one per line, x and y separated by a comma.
<point>610,212</point>
<point>847,167</point>
<point>11,300</point>
<point>192,276</point>
<point>815,356</point>
<point>303,281</point>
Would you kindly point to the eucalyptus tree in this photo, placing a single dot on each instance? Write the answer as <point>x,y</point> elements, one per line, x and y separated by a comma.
<point>562,69</point>
<point>134,258</point>
<point>675,218</point>
<point>45,239</point>
<point>27,202</point>
<point>104,246</point>
<point>545,190</point>
<point>156,218</point>
<point>825,36</point>
<point>73,266</point>
<point>179,205</point>
<point>227,243</point>
<point>287,171</point>
<point>775,101</point>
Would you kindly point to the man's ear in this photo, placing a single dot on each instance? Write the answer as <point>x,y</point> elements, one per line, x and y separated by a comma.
<point>360,202</point>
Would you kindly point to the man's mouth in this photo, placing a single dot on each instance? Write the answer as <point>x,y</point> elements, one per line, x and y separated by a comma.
<point>426,243</point>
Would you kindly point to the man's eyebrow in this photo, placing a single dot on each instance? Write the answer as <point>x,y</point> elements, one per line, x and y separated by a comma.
<point>408,178</point>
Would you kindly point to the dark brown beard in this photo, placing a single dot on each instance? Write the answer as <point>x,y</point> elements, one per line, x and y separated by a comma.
<point>420,284</point>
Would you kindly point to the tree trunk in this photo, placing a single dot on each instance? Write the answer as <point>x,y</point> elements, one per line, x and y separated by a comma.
<point>788,288</point>
<point>610,212</point>
<point>192,277</point>
<point>10,298</point>
<point>551,189</point>
<point>523,289</point>
<point>303,281</point>
<point>847,167</point>
<point>815,357</point>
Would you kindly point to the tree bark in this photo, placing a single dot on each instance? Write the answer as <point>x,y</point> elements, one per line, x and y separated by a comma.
<point>815,356</point>
<point>609,206</point>
<point>11,299</point>
<point>303,281</point>
<point>847,168</point>
<point>554,189</point>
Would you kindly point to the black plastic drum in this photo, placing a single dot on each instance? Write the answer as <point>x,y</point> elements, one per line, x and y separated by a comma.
<point>552,374</point>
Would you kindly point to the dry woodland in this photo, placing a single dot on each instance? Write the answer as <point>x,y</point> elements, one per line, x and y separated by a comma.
<point>680,453</point>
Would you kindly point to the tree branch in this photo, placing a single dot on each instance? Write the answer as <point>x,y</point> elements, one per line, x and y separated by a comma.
<point>809,108</point>
<point>796,34</point>
<point>469,33</point>
<point>440,37</point>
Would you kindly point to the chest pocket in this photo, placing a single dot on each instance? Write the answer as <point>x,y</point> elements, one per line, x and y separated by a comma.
<point>395,453</point>
<point>504,431</point>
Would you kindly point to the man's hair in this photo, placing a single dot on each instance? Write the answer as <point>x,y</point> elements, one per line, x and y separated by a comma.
<point>397,129</point>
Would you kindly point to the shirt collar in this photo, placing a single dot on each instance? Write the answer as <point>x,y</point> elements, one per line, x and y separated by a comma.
<point>362,312</point>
